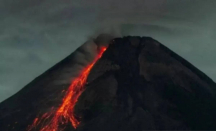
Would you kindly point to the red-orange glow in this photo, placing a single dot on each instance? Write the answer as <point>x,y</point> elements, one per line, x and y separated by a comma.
<point>65,112</point>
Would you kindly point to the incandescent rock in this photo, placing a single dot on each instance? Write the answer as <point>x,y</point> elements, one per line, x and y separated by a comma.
<point>138,84</point>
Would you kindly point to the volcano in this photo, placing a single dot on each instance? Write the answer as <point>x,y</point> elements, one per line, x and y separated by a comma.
<point>134,84</point>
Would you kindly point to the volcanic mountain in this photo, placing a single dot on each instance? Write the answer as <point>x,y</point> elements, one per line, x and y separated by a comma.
<point>134,84</point>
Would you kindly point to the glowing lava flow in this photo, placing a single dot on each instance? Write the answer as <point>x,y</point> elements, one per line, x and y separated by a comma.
<point>65,112</point>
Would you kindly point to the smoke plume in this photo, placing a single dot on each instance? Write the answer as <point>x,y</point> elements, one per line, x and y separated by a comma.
<point>86,53</point>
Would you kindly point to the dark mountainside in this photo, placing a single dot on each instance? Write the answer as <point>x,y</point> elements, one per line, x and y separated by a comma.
<point>138,84</point>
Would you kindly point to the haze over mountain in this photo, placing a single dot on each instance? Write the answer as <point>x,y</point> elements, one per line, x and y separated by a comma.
<point>36,34</point>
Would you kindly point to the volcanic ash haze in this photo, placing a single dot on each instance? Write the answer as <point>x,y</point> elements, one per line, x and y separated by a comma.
<point>134,84</point>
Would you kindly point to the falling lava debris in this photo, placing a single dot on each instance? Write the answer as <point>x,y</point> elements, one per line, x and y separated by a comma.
<point>65,113</point>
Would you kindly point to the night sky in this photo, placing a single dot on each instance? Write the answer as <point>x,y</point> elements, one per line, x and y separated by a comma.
<point>36,34</point>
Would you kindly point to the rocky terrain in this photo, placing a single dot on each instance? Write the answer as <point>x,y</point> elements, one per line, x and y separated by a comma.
<point>138,84</point>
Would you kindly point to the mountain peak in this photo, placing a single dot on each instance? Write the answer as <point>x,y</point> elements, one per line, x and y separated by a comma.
<point>137,84</point>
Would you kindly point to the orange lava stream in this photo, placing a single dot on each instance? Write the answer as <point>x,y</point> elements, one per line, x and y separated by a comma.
<point>65,113</point>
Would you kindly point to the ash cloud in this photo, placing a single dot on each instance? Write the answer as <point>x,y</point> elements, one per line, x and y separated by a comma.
<point>86,53</point>
<point>82,57</point>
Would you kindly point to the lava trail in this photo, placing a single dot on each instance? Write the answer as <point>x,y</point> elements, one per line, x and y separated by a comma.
<point>65,113</point>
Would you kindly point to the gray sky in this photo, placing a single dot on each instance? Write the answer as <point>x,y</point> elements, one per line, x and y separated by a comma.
<point>36,34</point>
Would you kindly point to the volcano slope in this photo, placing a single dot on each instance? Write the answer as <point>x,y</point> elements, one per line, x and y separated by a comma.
<point>138,84</point>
